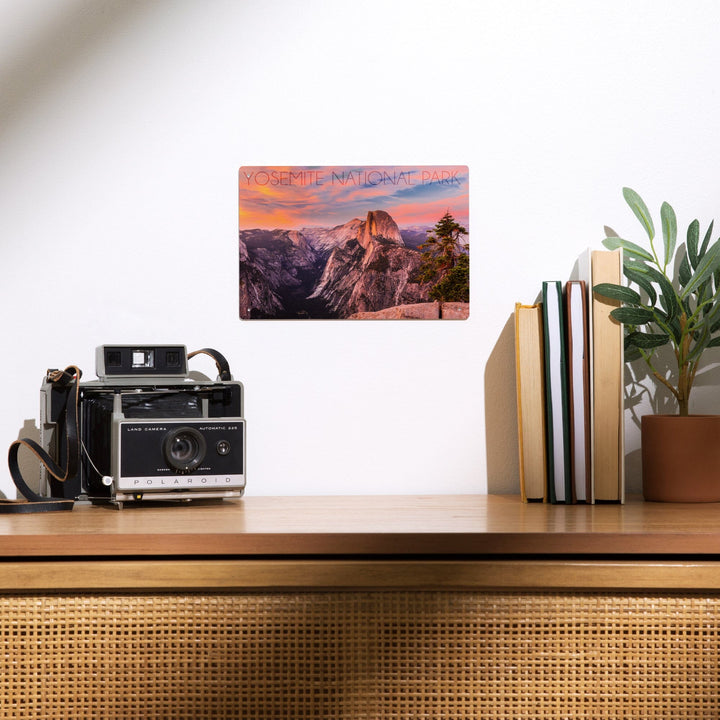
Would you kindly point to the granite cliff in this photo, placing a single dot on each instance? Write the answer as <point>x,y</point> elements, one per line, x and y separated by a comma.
<point>372,271</point>
<point>360,266</point>
<point>278,269</point>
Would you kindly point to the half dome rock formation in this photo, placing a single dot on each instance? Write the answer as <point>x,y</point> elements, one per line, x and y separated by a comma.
<point>371,272</point>
<point>379,225</point>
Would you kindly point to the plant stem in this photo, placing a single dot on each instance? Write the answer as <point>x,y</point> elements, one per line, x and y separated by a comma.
<point>684,387</point>
<point>685,367</point>
<point>647,358</point>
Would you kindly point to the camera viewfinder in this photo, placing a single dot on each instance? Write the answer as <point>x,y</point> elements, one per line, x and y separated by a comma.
<point>143,359</point>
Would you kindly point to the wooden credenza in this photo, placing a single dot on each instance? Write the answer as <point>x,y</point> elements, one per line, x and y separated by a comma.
<point>362,607</point>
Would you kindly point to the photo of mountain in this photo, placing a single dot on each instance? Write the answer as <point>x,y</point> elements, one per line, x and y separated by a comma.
<point>337,242</point>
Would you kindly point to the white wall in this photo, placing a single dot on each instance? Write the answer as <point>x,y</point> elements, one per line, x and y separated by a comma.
<point>123,125</point>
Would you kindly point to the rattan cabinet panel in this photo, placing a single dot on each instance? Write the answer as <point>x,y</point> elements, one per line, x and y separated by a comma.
<point>371,655</point>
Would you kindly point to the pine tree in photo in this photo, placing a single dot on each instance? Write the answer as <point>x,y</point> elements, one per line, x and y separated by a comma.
<point>445,261</point>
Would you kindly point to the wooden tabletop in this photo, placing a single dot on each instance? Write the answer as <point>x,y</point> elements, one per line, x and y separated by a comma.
<point>367,526</point>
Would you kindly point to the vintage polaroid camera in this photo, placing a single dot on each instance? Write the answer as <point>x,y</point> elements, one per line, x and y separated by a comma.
<point>147,428</point>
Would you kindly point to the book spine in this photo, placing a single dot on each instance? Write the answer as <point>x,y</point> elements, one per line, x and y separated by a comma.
<point>530,385</point>
<point>557,421</point>
<point>578,388</point>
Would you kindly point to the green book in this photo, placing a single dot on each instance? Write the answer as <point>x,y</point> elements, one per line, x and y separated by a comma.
<point>557,413</point>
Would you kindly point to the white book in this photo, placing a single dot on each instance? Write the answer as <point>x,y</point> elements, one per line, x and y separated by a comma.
<point>578,387</point>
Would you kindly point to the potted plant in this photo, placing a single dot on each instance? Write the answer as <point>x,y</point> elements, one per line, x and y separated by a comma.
<point>677,302</point>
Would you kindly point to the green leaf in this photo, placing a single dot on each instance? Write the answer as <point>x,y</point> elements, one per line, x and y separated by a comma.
<point>703,295</point>
<point>633,316</point>
<point>693,237</point>
<point>667,292</point>
<point>637,264</point>
<point>684,271</point>
<point>715,342</point>
<point>630,248</point>
<point>669,230</point>
<point>632,354</point>
<point>706,241</point>
<point>617,292</point>
<point>706,267</point>
<point>646,341</point>
<point>667,304</point>
<point>674,325</point>
<point>711,318</point>
<point>640,209</point>
<point>685,304</point>
<point>639,277</point>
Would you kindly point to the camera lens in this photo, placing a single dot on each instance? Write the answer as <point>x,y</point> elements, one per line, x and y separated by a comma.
<point>184,449</point>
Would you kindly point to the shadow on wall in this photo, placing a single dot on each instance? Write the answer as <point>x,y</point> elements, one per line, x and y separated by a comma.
<point>501,433</point>
<point>27,462</point>
<point>65,36</point>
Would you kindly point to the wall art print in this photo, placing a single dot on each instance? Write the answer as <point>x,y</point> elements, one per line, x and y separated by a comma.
<point>354,242</point>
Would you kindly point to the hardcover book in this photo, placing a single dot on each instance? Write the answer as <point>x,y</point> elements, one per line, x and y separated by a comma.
<point>530,378</point>
<point>556,394</point>
<point>354,242</point>
<point>607,363</point>
<point>578,364</point>
<point>608,375</point>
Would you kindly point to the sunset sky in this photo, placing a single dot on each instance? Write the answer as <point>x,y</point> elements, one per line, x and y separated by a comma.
<point>273,197</point>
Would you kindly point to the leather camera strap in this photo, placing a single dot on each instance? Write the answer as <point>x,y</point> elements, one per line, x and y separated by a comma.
<point>222,364</point>
<point>68,378</point>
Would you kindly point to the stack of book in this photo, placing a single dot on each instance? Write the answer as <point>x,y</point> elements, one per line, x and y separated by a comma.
<point>569,371</point>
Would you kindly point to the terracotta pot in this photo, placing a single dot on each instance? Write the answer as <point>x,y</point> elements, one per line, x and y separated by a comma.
<point>681,458</point>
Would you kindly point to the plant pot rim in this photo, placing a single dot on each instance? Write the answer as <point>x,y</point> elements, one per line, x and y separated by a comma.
<point>668,416</point>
